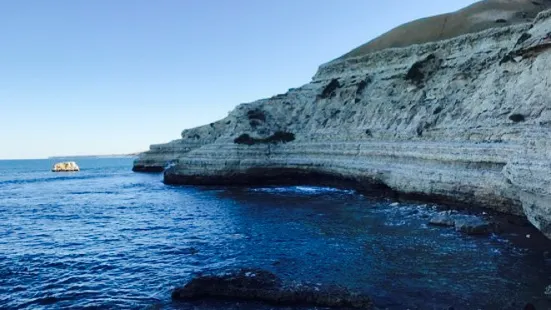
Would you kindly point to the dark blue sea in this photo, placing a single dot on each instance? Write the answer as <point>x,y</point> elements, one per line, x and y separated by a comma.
<point>107,238</point>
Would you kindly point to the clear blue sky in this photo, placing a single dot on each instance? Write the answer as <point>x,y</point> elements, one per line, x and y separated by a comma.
<point>105,77</point>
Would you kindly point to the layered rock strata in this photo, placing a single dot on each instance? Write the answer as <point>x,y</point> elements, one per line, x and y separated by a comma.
<point>466,119</point>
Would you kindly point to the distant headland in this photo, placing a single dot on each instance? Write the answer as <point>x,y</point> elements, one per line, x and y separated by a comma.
<point>94,156</point>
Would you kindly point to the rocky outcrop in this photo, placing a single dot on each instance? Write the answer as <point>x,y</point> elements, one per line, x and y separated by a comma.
<point>161,156</point>
<point>264,286</point>
<point>463,120</point>
<point>69,166</point>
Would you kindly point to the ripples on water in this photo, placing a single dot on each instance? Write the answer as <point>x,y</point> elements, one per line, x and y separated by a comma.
<point>109,238</point>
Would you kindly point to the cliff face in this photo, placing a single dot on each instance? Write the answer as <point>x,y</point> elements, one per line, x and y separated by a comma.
<point>466,120</point>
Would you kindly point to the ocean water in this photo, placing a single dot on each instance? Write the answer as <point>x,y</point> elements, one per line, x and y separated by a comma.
<point>107,238</point>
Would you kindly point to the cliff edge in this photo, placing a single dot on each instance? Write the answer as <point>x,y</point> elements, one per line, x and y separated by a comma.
<point>466,119</point>
<point>479,16</point>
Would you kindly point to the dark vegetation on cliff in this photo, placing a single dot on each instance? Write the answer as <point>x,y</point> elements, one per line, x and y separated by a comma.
<point>256,117</point>
<point>517,118</point>
<point>277,137</point>
<point>423,70</point>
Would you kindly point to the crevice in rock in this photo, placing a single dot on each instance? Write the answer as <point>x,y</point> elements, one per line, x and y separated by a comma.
<point>334,113</point>
<point>256,114</point>
<point>361,88</point>
<point>422,70</point>
<point>517,117</point>
<point>256,117</point>
<point>149,169</point>
<point>537,49</point>
<point>506,58</point>
<point>530,50</point>
<point>362,85</point>
<point>330,89</point>
<point>525,36</point>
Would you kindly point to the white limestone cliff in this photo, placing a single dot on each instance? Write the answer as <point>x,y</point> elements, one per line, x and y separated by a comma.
<point>465,120</point>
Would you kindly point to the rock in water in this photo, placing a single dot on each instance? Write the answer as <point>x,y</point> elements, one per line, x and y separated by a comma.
<point>444,218</point>
<point>66,167</point>
<point>468,224</point>
<point>452,108</point>
<point>529,306</point>
<point>264,286</point>
<point>548,291</point>
<point>473,225</point>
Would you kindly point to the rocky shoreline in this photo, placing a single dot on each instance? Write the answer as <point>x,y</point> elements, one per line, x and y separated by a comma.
<point>261,285</point>
<point>461,120</point>
<point>251,285</point>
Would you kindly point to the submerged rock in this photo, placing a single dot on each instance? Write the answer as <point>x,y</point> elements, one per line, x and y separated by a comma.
<point>444,218</point>
<point>65,167</point>
<point>264,286</point>
<point>468,224</point>
<point>473,225</point>
<point>529,306</point>
<point>548,291</point>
